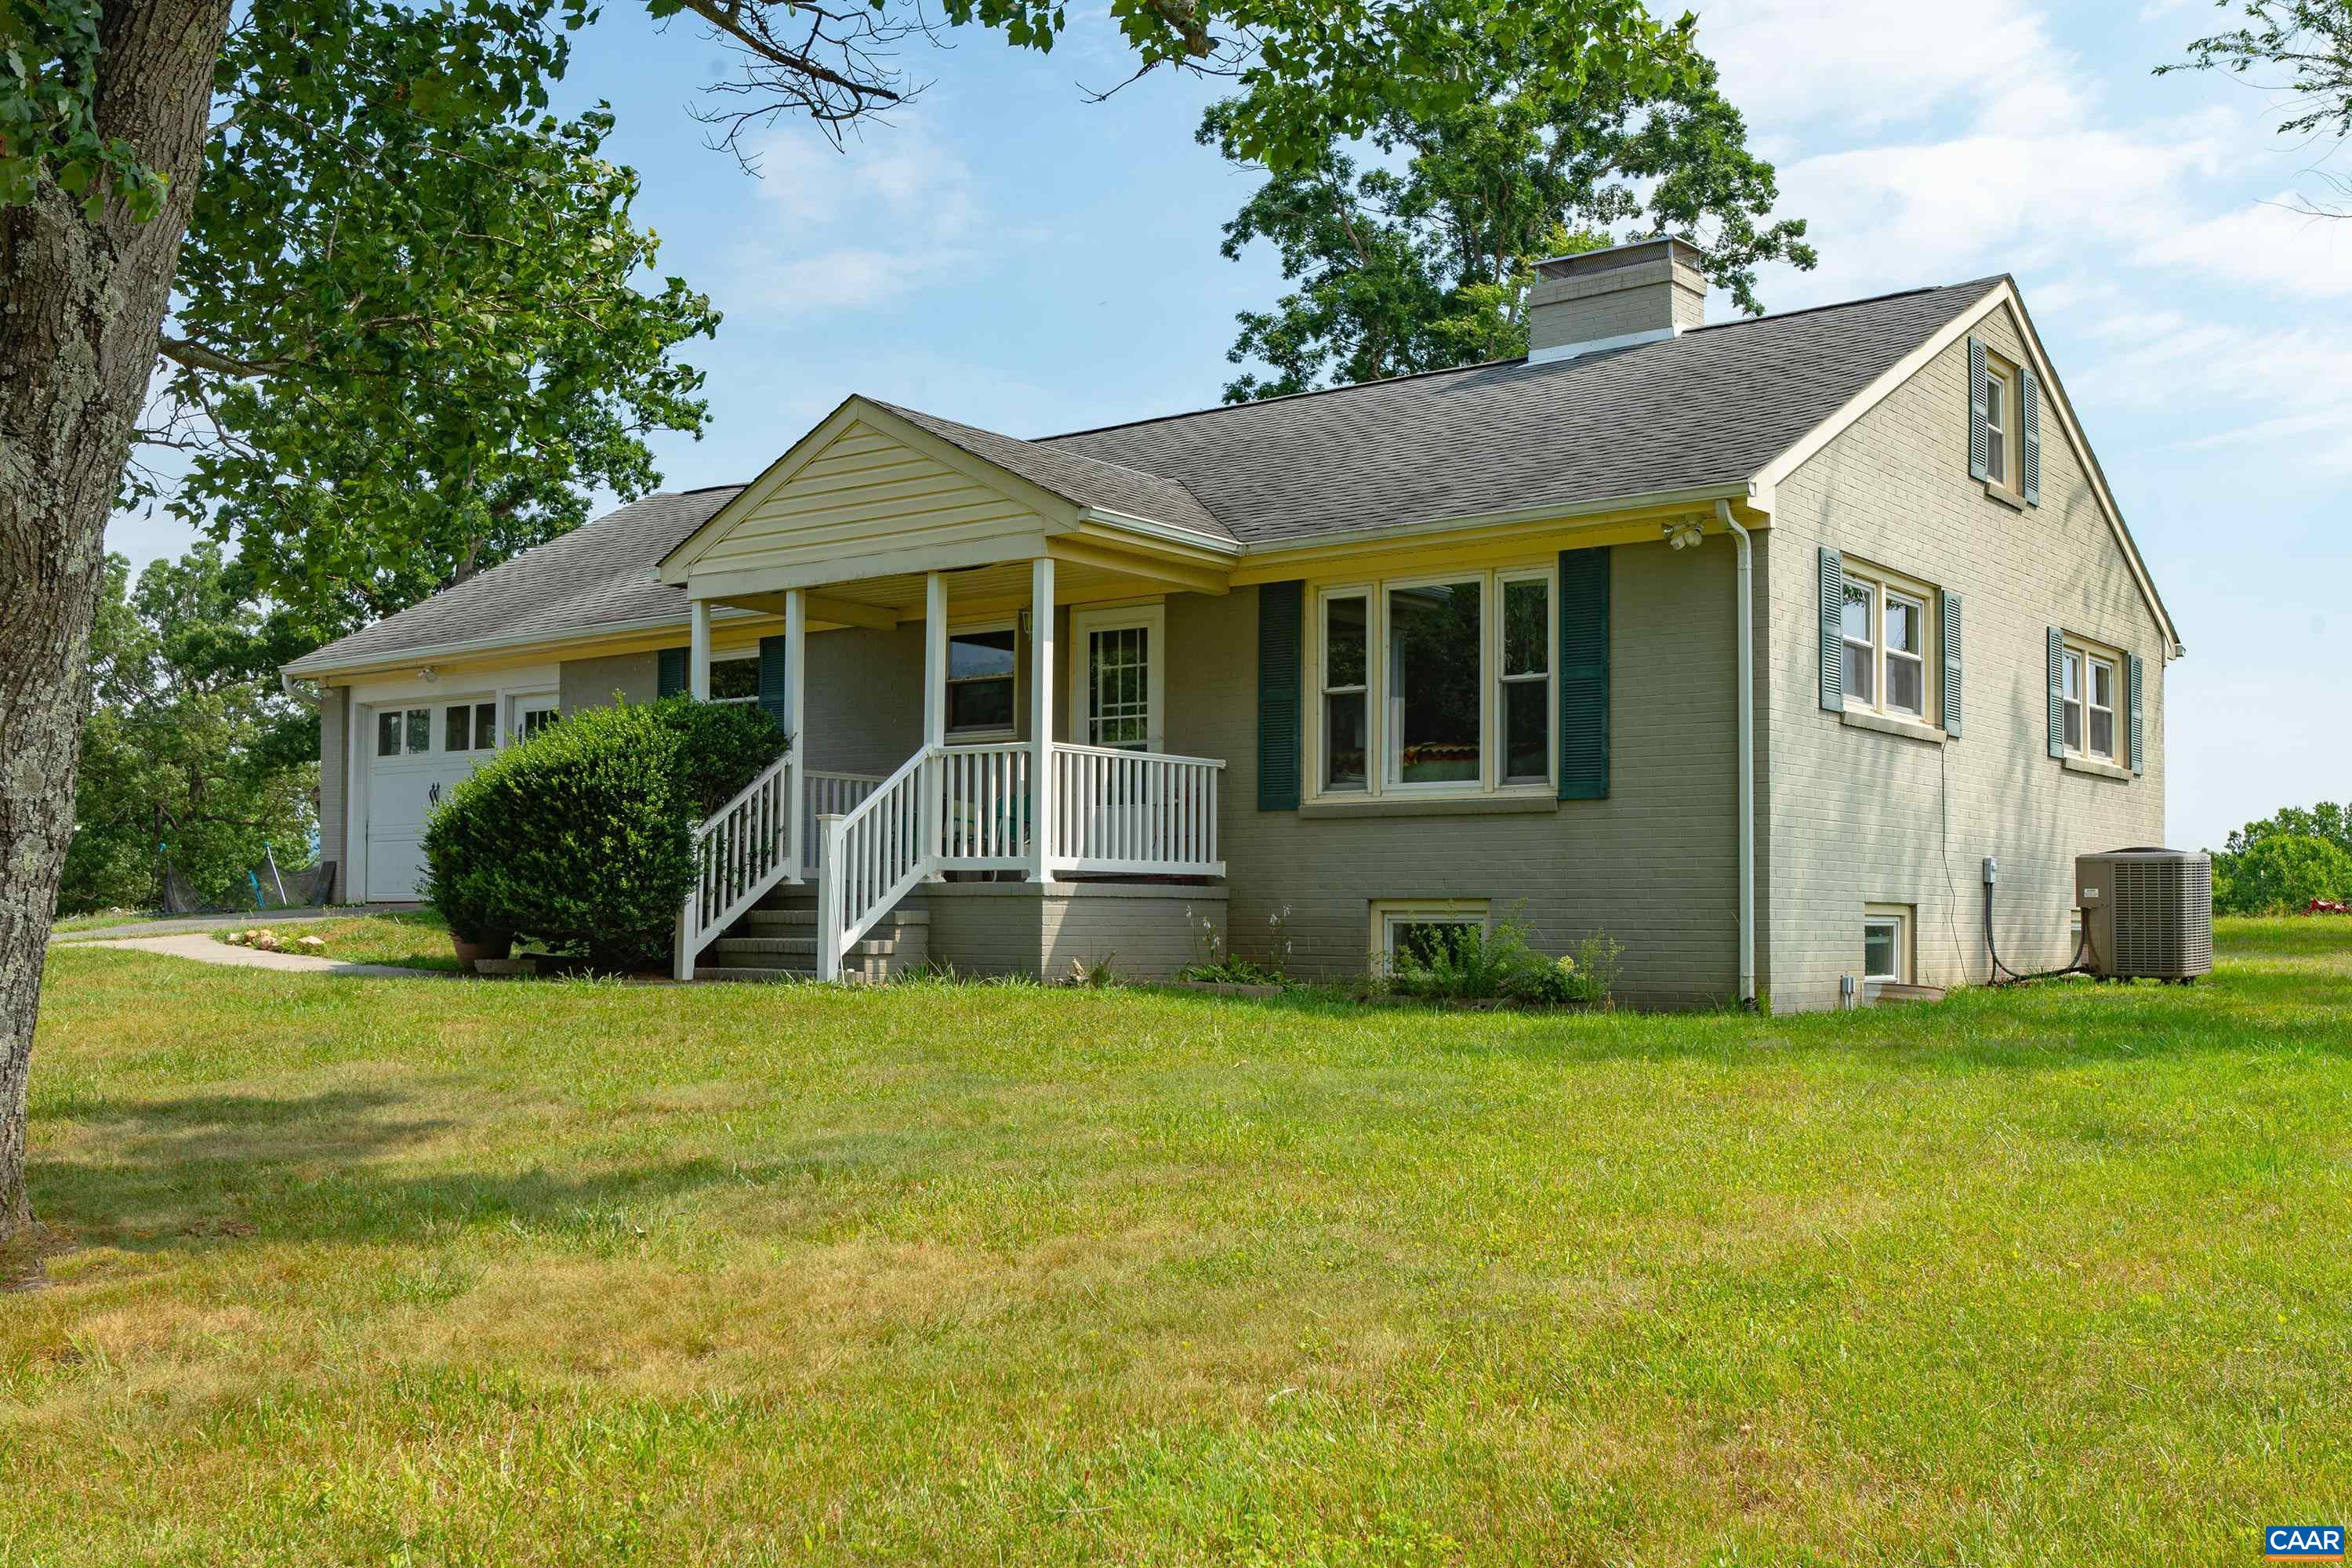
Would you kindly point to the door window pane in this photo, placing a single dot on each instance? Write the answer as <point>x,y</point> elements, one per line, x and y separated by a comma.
<point>457,728</point>
<point>532,721</point>
<point>1433,671</point>
<point>387,734</point>
<point>1118,677</point>
<point>486,726</point>
<point>420,730</point>
<point>980,681</point>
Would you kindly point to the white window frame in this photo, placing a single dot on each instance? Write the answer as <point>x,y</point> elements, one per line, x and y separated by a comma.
<point>1388,914</point>
<point>1380,781</point>
<point>1899,917</point>
<point>1884,585</point>
<point>1317,732</point>
<point>2080,654</point>
<point>2001,413</point>
<point>2075,673</point>
<point>528,703</point>
<point>981,736</point>
<point>1390,731</point>
<point>1152,618</point>
<point>473,706</point>
<point>1502,677</point>
<point>736,656</point>
<point>432,711</point>
<point>2092,708</point>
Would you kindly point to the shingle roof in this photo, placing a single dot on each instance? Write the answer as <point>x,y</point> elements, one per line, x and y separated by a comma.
<point>1714,405</point>
<point>597,576</point>
<point>1076,476</point>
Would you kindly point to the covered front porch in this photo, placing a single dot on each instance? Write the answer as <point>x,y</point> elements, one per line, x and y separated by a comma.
<point>1040,755</point>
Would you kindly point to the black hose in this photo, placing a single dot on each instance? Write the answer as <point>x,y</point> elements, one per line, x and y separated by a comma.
<point>2074,966</point>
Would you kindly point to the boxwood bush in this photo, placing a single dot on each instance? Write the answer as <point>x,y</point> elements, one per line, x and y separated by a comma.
<point>582,837</point>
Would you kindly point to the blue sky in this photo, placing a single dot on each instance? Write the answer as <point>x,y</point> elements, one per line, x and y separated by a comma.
<point>1006,253</point>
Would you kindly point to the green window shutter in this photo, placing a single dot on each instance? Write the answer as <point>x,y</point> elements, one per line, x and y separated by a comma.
<point>2133,679</point>
<point>2057,692</point>
<point>1278,650</point>
<point>1980,415</point>
<point>2029,464</point>
<point>1951,664</point>
<point>670,679</point>
<point>1584,674</point>
<point>1833,630</point>
<point>775,692</point>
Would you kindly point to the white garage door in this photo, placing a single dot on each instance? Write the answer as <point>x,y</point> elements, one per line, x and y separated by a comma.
<point>419,752</point>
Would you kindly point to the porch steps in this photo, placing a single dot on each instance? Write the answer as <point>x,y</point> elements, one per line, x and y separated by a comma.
<point>776,940</point>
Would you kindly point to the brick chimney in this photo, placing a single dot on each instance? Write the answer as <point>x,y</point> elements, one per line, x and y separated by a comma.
<point>1634,293</point>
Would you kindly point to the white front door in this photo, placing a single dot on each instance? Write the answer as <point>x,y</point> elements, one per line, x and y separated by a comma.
<point>1118,685</point>
<point>416,752</point>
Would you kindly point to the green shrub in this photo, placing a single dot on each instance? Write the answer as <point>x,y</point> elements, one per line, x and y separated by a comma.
<point>2280,873</point>
<point>581,837</point>
<point>1467,963</point>
<point>722,746</point>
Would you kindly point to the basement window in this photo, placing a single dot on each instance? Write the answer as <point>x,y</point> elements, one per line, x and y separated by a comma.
<point>1886,943</point>
<point>1423,929</point>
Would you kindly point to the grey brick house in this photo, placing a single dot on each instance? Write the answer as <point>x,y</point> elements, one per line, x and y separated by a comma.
<point>1463,646</point>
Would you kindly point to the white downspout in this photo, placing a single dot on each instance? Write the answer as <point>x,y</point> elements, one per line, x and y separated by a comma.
<point>1745,622</point>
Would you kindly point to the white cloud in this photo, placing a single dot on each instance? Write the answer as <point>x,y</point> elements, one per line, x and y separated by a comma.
<point>892,212</point>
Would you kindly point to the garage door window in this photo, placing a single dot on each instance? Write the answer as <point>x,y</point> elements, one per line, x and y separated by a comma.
<point>471,726</point>
<point>403,731</point>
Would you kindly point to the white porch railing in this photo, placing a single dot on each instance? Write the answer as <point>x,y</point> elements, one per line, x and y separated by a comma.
<point>990,809</point>
<point>1142,812</point>
<point>970,808</point>
<point>744,849</point>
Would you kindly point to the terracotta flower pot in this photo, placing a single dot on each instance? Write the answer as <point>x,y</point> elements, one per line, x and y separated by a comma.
<point>489,944</point>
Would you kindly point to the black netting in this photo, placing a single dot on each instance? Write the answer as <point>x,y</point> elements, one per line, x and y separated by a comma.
<point>264,886</point>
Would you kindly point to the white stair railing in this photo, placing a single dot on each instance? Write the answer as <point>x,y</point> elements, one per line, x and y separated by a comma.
<point>873,854</point>
<point>973,808</point>
<point>744,849</point>
<point>1145,813</point>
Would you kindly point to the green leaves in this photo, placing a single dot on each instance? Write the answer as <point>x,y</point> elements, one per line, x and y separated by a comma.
<point>1423,259</point>
<point>48,83</point>
<point>417,326</point>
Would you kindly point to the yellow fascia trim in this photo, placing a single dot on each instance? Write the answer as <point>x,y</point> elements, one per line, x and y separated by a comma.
<point>1506,544</point>
<point>733,634</point>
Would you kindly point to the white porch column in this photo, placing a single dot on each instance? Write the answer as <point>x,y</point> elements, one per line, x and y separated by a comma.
<point>932,801</point>
<point>1041,710</point>
<point>697,655</point>
<point>935,659</point>
<point>796,705</point>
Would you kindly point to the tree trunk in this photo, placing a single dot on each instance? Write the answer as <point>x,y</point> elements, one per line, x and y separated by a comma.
<point>82,307</point>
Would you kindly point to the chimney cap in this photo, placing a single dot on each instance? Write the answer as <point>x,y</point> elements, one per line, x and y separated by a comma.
<point>1668,247</point>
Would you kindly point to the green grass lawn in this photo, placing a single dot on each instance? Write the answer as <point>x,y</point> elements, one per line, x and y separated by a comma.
<point>411,939</point>
<point>103,919</point>
<point>369,1271</point>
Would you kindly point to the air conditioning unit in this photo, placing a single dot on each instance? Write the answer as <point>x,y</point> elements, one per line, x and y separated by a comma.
<point>2147,914</point>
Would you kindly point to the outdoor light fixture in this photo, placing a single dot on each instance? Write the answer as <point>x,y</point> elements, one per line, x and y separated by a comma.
<point>1682,535</point>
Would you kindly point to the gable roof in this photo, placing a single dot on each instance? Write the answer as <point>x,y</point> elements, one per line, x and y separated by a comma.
<point>1076,476</point>
<point>1709,407</point>
<point>1719,407</point>
<point>597,578</point>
